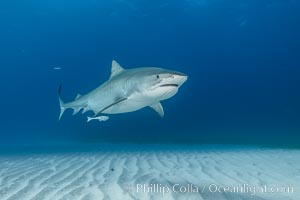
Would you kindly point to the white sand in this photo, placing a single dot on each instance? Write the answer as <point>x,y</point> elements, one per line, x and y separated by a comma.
<point>116,174</point>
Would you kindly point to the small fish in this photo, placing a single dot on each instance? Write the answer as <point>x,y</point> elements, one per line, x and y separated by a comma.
<point>56,68</point>
<point>100,118</point>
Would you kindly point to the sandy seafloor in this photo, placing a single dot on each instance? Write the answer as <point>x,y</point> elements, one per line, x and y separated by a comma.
<point>119,172</point>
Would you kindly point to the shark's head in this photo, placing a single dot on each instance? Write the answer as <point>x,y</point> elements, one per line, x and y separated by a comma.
<point>160,84</point>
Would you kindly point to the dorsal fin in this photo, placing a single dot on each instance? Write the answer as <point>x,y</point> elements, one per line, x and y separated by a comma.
<point>115,69</point>
<point>78,95</point>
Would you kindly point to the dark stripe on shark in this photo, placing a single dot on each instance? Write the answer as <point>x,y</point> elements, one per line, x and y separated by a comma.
<point>107,107</point>
<point>168,85</point>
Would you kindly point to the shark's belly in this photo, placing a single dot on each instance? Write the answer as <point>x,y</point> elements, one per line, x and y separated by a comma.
<point>125,106</point>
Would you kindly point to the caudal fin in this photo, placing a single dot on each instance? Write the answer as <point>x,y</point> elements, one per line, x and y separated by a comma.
<point>61,103</point>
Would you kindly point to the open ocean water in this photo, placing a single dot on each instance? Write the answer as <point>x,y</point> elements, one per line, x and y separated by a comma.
<point>235,118</point>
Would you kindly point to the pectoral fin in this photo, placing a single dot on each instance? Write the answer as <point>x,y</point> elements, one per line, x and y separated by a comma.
<point>158,108</point>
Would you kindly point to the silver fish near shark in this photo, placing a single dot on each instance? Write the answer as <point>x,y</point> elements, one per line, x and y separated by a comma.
<point>128,90</point>
<point>99,118</point>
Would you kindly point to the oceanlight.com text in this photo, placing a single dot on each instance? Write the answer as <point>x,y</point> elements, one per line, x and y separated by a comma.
<point>211,188</point>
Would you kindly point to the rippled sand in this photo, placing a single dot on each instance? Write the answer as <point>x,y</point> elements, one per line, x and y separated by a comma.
<point>118,173</point>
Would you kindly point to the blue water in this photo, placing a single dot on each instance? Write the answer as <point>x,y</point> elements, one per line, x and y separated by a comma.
<point>242,59</point>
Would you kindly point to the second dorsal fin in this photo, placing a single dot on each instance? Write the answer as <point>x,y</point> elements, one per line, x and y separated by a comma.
<point>78,96</point>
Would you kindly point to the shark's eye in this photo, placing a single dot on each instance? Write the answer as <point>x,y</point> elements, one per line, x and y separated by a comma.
<point>157,76</point>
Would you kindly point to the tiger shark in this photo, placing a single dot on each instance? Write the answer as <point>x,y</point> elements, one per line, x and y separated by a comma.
<point>128,90</point>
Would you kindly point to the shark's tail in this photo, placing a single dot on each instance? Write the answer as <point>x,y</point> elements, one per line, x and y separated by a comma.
<point>75,105</point>
<point>61,103</point>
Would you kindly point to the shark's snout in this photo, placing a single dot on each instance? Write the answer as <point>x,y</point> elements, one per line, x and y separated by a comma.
<point>175,80</point>
<point>179,79</point>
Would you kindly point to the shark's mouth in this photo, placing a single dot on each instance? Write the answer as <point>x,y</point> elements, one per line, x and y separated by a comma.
<point>169,85</point>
